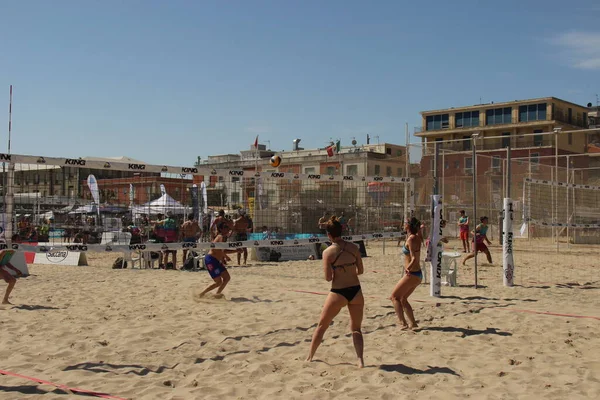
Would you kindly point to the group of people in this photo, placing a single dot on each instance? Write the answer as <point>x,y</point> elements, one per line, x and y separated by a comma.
<point>346,223</point>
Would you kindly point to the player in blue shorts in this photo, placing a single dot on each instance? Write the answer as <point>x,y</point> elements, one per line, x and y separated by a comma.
<point>214,261</point>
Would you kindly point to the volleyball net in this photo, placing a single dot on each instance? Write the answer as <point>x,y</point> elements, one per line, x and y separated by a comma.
<point>555,209</point>
<point>89,204</point>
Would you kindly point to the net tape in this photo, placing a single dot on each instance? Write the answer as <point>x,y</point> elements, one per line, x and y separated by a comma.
<point>198,171</point>
<point>561,184</point>
<point>561,224</point>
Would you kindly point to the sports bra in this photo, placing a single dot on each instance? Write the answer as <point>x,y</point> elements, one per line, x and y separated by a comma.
<point>343,266</point>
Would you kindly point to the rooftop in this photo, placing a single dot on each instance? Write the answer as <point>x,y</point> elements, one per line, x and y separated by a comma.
<point>502,104</point>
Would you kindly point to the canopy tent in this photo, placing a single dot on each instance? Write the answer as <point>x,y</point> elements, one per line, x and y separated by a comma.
<point>162,205</point>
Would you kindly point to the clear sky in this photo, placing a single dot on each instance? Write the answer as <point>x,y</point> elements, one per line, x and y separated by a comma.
<point>167,81</point>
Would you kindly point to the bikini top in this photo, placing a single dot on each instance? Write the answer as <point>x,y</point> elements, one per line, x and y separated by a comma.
<point>405,250</point>
<point>343,266</point>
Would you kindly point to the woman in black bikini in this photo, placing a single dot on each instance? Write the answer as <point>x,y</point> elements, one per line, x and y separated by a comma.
<point>342,265</point>
<point>412,277</point>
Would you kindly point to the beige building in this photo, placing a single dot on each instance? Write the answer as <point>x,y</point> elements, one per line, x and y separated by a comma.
<point>516,122</point>
<point>383,159</point>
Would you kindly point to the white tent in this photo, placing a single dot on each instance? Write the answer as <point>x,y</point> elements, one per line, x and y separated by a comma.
<point>162,205</point>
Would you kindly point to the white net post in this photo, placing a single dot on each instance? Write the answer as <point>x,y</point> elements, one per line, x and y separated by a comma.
<point>507,243</point>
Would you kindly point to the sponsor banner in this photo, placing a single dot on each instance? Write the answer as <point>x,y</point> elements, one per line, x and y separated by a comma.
<point>508,265</point>
<point>562,184</point>
<point>195,202</point>
<point>45,247</point>
<point>435,248</point>
<point>123,166</point>
<point>61,257</point>
<point>93,185</point>
<point>285,253</point>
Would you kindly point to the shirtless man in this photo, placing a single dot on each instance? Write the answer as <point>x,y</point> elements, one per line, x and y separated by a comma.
<point>220,218</point>
<point>214,262</point>
<point>240,233</point>
<point>190,231</point>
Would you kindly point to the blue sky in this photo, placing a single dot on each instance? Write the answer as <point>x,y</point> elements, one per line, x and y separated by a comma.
<point>165,82</point>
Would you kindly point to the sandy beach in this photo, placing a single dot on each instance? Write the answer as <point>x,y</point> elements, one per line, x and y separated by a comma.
<point>143,334</point>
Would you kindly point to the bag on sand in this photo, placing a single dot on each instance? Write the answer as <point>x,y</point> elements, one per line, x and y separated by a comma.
<point>119,263</point>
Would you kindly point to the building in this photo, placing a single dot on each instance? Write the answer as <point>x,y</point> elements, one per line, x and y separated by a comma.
<point>53,185</point>
<point>520,123</point>
<point>383,159</point>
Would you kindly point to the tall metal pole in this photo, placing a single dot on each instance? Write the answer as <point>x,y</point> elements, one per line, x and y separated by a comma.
<point>508,176</point>
<point>9,118</point>
<point>568,212</point>
<point>406,173</point>
<point>555,189</point>
<point>435,175</point>
<point>473,138</point>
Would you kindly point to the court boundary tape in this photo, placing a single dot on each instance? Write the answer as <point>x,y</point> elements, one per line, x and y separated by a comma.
<point>63,387</point>
<point>505,309</point>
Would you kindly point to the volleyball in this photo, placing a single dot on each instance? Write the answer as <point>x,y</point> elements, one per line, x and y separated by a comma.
<point>275,161</point>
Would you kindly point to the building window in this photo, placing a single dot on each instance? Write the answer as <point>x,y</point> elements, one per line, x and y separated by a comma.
<point>585,120</point>
<point>534,159</point>
<point>532,112</point>
<point>352,170</point>
<point>330,171</point>
<point>235,197</point>
<point>309,170</point>
<point>498,116</point>
<point>446,165</point>
<point>398,153</point>
<point>399,171</point>
<point>436,122</point>
<point>235,179</point>
<point>505,139</point>
<point>468,165</point>
<point>538,140</point>
<point>570,116</point>
<point>467,119</point>
<point>466,143</point>
<point>388,151</point>
<point>496,163</point>
<point>456,164</point>
<point>388,171</point>
<point>570,138</point>
<point>377,170</point>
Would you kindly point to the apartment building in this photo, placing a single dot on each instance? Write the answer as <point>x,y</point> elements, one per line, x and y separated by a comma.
<point>519,123</point>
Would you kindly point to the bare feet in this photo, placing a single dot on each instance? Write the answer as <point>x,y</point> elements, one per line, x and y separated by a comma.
<point>7,302</point>
<point>308,359</point>
<point>404,327</point>
<point>361,363</point>
<point>219,295</point>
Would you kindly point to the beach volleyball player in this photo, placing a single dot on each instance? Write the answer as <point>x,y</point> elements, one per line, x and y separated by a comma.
<point>342,265</point>
<point>215,259</point>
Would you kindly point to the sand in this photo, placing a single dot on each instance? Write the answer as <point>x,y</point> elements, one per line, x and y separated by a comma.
<point>142,334</point>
